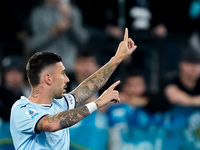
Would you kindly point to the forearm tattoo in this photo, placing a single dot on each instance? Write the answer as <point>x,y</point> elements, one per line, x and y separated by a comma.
<point>63,119</point>
<point>70,118</point>
<point>92,84</point>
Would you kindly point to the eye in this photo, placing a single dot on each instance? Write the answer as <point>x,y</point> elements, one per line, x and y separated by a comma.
<point>64,73</point>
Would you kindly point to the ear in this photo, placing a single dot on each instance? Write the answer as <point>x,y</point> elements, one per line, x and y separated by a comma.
<point>47,79</point>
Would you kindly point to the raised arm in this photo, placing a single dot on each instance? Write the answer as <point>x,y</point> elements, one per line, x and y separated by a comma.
<point>93,83</point>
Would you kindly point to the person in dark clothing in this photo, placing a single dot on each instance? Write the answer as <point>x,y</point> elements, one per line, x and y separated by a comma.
<point>13,85</point>
<point>183,89</point>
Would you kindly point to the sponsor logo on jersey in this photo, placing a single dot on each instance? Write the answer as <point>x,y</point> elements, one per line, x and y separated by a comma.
<point>31,113</point>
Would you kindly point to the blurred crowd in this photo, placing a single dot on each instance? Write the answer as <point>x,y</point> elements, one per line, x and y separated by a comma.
<point>160,88</point>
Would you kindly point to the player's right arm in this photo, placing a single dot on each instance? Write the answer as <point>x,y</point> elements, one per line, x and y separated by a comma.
<point>65,119</point>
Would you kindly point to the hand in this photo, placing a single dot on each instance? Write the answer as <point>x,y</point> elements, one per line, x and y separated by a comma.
<point>126,47</point>
<point>109,95</point>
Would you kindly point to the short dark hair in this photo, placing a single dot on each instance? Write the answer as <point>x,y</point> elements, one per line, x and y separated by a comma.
<point>190,55</point>
<point>37,63</point>
<point>131,73</point>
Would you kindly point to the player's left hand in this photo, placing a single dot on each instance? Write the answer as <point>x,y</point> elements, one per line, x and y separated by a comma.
<point>126,47</point>
<point>110,95</point>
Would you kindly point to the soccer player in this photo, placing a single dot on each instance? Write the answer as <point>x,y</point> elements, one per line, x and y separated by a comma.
<point>42,120</point>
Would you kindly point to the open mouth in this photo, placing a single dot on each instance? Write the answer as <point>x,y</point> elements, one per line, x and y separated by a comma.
<point>64,91</point>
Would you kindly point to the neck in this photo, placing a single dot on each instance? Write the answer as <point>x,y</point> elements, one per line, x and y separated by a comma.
<point>39,96</point>
<point>188,82</point>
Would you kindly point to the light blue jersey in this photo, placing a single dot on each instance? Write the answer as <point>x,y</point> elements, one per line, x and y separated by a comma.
<point>24,117</point>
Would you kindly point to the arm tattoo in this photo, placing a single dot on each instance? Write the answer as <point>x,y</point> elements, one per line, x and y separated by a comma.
<point>92,84</point>
<point>63,119</point>
<point>67,119</point>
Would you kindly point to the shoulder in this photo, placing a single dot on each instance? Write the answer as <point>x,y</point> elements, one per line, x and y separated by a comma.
<point>22,105</point>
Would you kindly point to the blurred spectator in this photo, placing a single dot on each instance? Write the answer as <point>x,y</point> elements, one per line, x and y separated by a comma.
<point>56,26</point>
<point>134,90</point>
<point>183,90</point>
<point>13,85</point>
<point>85,65</point>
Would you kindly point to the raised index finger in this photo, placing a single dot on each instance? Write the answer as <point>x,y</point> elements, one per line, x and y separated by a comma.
<point>114,85</point>
<point>126,34</point>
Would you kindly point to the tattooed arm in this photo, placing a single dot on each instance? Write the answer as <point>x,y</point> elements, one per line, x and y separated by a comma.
<point>93,83</point>
<point>52,123</point>
<point>65,119</point>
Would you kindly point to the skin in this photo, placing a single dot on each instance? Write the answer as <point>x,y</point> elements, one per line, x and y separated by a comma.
<point>133,90</point>
<point>54,80</point>
<point>189,75</point>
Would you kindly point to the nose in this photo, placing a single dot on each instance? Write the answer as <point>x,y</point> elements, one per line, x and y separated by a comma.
<point>66,79</point>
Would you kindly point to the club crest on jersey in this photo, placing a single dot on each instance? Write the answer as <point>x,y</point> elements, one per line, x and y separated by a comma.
<point>70,99</point>
<point>31,113</point>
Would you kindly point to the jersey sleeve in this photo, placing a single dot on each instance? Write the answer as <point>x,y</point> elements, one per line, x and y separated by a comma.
<point>70,100</point>
<point>25,118</point>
